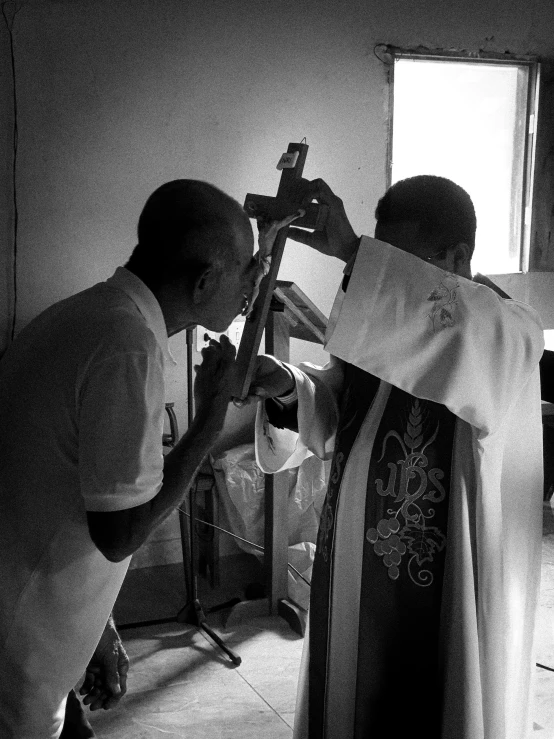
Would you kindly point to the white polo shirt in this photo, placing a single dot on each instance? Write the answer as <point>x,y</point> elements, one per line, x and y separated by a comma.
<point>81,423</point>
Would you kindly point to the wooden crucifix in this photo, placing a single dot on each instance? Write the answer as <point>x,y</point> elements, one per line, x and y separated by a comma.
<point>287,201</point>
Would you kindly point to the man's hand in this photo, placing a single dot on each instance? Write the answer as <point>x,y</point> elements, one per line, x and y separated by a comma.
<point>213,382</point>
<point>337,239</point>
<point>105,681</point>
<point>271,378</point>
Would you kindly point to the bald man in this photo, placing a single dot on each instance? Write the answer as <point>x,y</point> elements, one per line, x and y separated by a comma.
<point>82,479</point>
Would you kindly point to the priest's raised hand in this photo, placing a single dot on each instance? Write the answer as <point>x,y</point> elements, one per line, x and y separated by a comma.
<point>337,238</point>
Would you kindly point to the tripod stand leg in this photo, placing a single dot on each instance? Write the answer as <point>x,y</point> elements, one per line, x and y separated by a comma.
<point>192,613</point>
<point>233,656</point>
<point>186,550</point>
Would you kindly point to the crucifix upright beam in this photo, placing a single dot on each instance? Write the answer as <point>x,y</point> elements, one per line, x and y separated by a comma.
<point>287,201</point>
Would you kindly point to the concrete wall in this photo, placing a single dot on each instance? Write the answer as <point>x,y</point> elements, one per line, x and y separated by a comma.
<point>535,288</point>
<point>6,176</point>
<point>115,98</point>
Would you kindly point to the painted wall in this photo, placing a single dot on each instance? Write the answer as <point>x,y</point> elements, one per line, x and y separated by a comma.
<point>6,190</point>
<point>535,288</point>
<point>114,98</point>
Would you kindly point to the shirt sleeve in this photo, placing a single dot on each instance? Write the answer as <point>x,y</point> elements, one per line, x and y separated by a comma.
<point>121,415</point>
<point>318,391</point>
<point>435,335</point>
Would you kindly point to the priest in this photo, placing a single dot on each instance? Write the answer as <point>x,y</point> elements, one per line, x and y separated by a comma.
<point>426,574</point>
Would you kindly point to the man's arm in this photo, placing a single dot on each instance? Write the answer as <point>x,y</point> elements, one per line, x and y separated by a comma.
<point>118,534</point>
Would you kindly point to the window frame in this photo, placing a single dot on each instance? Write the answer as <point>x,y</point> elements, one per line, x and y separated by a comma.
<point>390,54</point>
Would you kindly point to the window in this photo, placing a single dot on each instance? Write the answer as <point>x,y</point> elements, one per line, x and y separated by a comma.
<point>473,122</point>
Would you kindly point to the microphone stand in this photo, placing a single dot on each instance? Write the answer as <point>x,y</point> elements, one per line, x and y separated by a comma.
<point>192,612</point>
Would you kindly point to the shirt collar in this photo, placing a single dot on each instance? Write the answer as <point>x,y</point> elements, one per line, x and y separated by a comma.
<point>145,300</point>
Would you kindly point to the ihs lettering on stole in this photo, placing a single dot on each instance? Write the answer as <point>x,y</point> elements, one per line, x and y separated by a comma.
<point>406,530</point>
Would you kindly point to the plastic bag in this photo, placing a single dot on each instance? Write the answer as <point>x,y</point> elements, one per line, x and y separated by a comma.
<point>241,488</point>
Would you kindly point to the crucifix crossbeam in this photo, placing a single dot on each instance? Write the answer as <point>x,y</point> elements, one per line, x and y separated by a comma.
<point>287,201</point>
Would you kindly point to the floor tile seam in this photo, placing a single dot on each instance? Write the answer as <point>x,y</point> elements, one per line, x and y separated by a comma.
<point>179,684</point>
<point>275,711</point>
<point>238,672</point>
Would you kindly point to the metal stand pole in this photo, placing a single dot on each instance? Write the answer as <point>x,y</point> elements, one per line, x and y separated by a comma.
<point>193,613</point>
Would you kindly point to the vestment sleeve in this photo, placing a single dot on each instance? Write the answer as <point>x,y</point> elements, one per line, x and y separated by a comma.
<point>318,392</point>
<point>121,407</point>
<point>435,335</point>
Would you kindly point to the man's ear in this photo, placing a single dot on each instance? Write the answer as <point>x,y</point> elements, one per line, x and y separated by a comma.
<point>205,285</point>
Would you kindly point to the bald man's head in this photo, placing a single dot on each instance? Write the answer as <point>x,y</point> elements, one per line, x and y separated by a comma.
<point>185,226</point>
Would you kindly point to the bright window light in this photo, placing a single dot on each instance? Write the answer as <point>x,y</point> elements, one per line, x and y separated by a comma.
<point>468,121</point>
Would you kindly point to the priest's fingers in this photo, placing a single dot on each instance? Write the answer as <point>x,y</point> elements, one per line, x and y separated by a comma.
<point>306,191</point>
<point>337,239</point>
<point>322,241</point>
<point>310,238</point>
<point>322,193</point>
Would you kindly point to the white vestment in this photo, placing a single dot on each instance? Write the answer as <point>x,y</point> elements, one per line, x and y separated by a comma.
<point>441,347</point>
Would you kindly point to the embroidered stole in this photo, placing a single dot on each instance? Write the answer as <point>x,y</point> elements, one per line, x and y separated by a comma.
<point>403,563</point>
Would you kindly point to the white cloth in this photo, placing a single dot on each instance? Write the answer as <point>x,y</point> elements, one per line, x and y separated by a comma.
<point>81,419</point>
<point>448,340</point>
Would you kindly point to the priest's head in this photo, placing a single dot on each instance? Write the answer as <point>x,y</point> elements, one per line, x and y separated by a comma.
<point>432,218</point>
<point>195,253</point>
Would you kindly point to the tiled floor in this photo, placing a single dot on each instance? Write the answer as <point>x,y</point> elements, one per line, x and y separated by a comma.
<point>180,685</point>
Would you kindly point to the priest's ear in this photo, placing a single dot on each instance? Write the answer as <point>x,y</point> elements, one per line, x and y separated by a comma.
<point>461,254</point>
